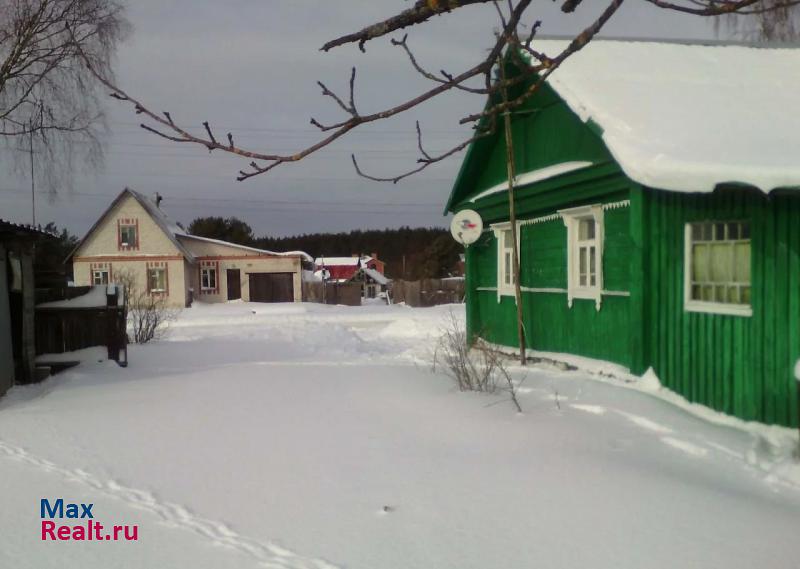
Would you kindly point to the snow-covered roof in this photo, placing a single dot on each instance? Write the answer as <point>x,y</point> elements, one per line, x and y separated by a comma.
<point>534,176</point>
<point>376,276</point>
<point>340,261</point>
<point>183,235</point>
<point>686,117</point>
<point>96,297</point>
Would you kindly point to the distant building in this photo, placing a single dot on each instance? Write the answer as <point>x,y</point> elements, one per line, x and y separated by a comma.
<point>134,235</point>
<point>367,270</point>
<point>343,269</point>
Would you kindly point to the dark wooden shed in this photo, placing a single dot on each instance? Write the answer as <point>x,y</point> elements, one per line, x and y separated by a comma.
<point>17,300</point>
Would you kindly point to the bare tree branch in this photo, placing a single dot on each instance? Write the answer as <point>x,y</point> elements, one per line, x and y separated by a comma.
<point>45,90</point>
<point>535,67</point>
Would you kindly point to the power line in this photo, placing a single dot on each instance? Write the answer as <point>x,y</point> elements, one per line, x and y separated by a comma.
<point>257,202</point>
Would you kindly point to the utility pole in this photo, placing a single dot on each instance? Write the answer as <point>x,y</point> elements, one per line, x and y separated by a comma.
<point>512,214</point>
<point>33,179</point>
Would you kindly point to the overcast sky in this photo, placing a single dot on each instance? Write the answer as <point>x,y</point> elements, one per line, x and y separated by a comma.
<point>251,67</point>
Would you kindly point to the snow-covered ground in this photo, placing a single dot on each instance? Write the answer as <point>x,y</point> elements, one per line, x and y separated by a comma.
<point>308,436</point>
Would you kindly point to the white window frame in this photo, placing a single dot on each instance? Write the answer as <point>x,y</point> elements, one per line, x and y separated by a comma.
<point>572,218</point>
<point>150,281</point>
<point>712,307</point>
<point>499,230</point>
<point>96,272</point>
<point>208,271</point>
<point>122,230</point>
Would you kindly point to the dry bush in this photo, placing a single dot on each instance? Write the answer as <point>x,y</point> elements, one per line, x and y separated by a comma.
<point>479,367</point>
<point>148,314</point>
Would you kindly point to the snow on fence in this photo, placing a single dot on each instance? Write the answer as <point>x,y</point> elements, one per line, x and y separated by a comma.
<point>428,292</point>
<point>75,318</point>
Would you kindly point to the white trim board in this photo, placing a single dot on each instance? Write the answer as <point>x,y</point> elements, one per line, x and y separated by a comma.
<point>533,176</point>
<point>556,216</point>
<point>543,290</point>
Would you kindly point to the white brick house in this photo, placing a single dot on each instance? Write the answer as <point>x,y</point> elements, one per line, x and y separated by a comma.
<point>134,235</point>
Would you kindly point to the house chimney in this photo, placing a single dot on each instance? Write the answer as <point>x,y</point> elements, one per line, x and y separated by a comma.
<point>157,198</point>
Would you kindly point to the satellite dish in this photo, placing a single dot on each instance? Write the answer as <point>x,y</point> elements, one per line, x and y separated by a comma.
<point>466,226</point>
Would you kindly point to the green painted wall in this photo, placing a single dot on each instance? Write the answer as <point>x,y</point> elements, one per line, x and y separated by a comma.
<point>735,364</point>
<point>545,132</point>
<point>738,365</point>
<point>551,324</point>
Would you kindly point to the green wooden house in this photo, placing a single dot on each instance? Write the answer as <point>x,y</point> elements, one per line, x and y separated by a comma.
<point>658,200</point>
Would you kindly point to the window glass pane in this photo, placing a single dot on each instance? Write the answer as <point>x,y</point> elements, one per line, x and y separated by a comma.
<point>583,266</point>
<point>721,262</point>
<point>586,229</point>
<point>158,279</point>
<point>507,268</point>
<point>742,255</point>
<point>720,269</point>
<point>128,235</point>
<point>592,256</point>
<point>745,295</point>
<point>745,232</point>
<point>700,262</point>
<point>582,261</point>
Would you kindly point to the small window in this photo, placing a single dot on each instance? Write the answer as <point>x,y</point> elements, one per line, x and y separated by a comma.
<point>505,256</point>
<point>584,253</point>
<point>127,235</point>
<point>208,278</point>
<point>717,267</point>
<point>157,280</point>
<point>100,276</point>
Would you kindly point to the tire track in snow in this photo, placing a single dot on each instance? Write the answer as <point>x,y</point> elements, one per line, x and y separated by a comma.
<point>267,554</point>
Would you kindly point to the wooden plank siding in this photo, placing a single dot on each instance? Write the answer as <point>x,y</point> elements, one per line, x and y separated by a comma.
<point>741,365</point>
<point>551,324</point>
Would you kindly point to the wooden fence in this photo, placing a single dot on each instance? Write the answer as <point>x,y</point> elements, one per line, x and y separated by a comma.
<point>61,329</point>
<point>348,294</point>
<point>428,292</point>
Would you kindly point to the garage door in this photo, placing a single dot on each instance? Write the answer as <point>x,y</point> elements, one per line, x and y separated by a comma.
<point>271,287</point>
